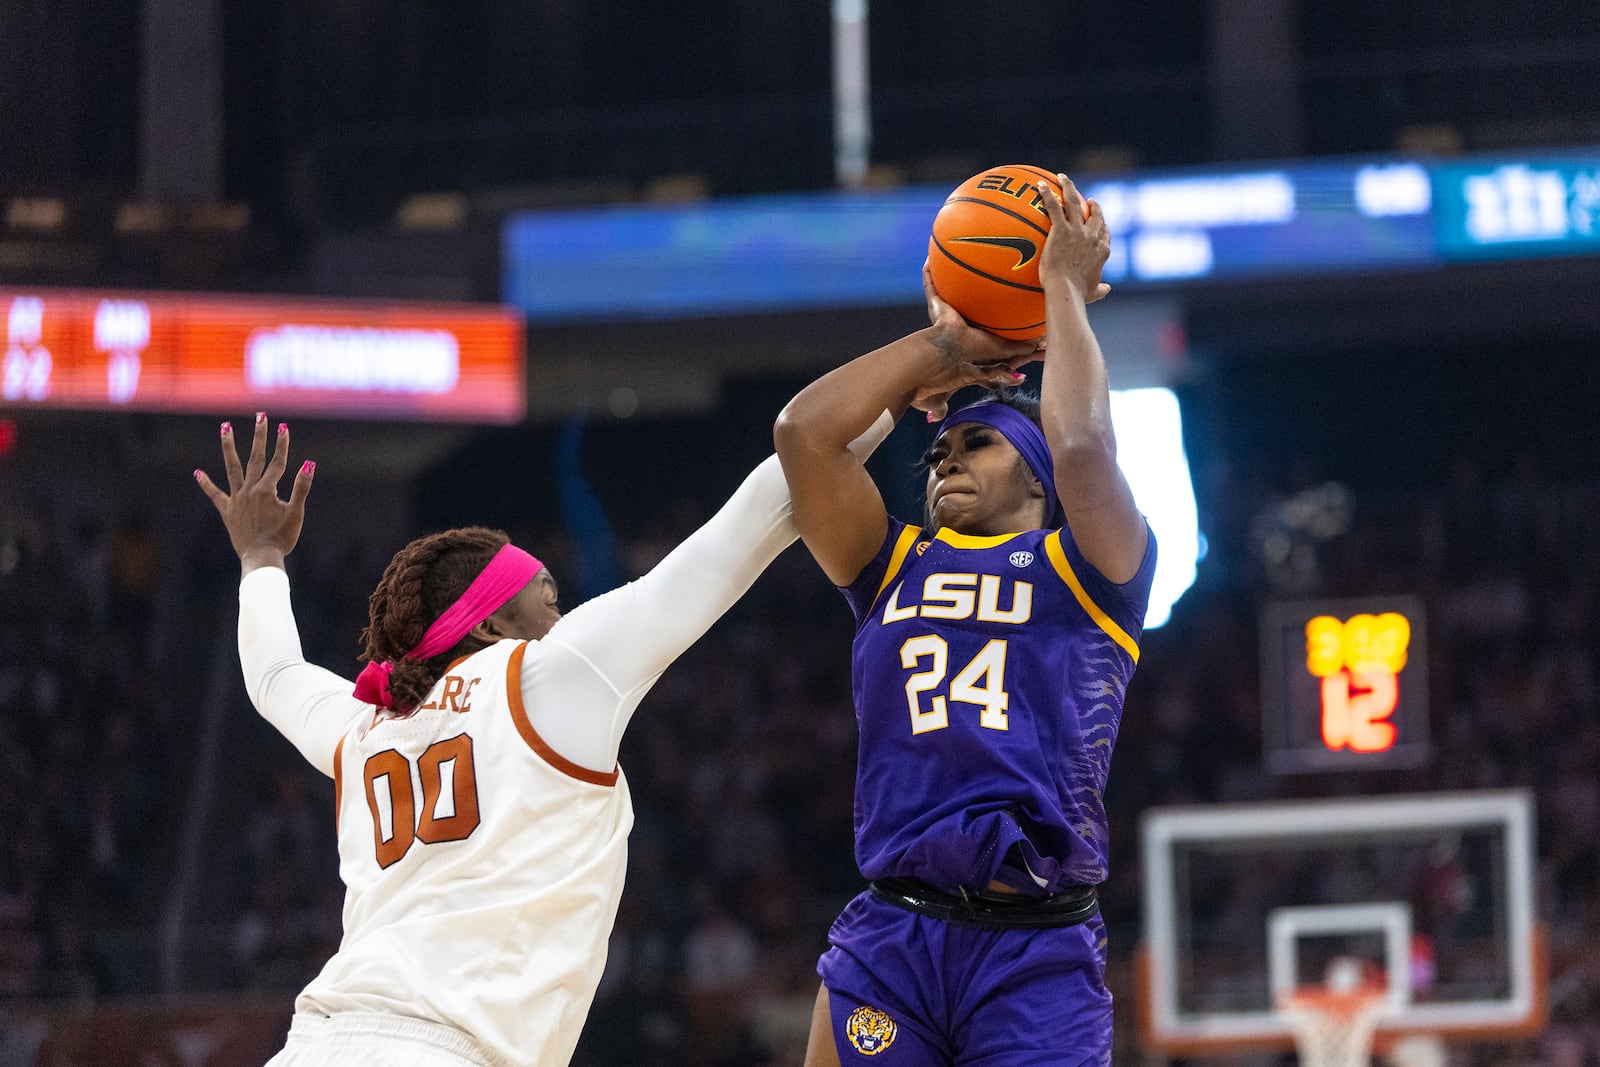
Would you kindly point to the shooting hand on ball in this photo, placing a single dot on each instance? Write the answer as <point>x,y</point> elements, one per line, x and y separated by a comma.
<point>975,357</point>
<point>1075,252</point>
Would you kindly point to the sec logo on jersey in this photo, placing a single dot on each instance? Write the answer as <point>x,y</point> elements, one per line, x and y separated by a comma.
<point>869,1030</point>
<point>1021,559</point>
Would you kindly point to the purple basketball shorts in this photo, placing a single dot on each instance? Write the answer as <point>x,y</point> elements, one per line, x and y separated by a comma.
<point>907,990</point>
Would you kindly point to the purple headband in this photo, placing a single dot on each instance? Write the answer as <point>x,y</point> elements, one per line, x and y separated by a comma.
<point>506,574</point>
<point>1025,437</point>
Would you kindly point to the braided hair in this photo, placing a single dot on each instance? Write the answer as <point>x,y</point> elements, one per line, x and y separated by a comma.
<point>421,581</point>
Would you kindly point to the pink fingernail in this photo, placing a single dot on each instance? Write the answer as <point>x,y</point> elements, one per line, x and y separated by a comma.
<point>308,468</point>
<point>283,427</point>
<point>261,416</point>
<point>1017,376</point>
<point>930,416</point>
<point>227,428</point>
<point>198,474</point>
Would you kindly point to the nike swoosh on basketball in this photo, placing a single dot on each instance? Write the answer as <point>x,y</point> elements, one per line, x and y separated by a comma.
<point>1025,249</point>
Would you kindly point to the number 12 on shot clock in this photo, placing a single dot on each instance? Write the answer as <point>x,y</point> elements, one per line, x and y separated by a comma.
<point>1344,684</point>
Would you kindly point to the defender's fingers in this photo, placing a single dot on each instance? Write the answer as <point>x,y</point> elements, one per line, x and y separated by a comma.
<point>209,488</point>
<point>258,450</point>
<point>302,487</point>
<point>230,459</point>
<point>280,456</point>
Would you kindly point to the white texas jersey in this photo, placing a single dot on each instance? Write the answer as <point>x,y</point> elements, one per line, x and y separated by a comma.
<point>482,871</point>
<point>482,838</point>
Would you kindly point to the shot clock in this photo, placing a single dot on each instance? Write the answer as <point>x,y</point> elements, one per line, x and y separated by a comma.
<point>1344,684</point>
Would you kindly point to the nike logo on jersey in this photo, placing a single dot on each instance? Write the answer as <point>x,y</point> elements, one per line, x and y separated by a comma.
<point>1025,249</point>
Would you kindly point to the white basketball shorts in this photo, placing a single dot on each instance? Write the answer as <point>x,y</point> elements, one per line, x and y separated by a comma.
<point>359,1039</point>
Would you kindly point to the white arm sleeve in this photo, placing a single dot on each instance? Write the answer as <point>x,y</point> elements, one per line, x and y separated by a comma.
<point>310,706</point>
<point>600,660</point>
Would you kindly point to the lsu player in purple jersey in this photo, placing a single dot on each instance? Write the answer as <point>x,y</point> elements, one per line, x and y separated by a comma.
<point>992,651</point>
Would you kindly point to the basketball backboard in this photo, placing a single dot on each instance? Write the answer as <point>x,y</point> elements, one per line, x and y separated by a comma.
<point>1246,902</point>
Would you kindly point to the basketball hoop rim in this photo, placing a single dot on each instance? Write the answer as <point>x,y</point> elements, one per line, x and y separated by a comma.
<point>1340,1002</point>
<point>1340,1010</point>
<point>1315,994</point>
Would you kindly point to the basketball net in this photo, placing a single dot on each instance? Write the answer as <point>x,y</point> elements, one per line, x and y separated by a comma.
<point>1334,1024</point>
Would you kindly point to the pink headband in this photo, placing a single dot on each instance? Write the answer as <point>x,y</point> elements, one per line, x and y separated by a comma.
<point>509,570</point>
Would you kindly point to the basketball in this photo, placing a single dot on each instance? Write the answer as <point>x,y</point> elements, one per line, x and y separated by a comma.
<point>984,250</point>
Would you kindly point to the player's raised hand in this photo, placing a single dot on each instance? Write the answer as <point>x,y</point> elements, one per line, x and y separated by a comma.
<point>983,358</point>
<point>1075,252</point>
<point>262,527</point>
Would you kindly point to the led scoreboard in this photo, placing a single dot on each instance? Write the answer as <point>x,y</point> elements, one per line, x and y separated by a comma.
<point>181,352</point>
<point>1344,684</point>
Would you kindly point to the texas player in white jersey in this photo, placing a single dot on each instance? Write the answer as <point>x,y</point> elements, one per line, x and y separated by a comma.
<point>482,826</point>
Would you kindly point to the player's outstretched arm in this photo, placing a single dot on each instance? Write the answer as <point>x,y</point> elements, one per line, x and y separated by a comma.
<point>1075,397</point>
<point>310,706</point>
<point>606,654</point>
<point>631,634</point>
<point>837,507</point>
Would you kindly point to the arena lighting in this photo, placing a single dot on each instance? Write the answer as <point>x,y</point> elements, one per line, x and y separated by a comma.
<point>1149,430</point>
<point>205,353</point>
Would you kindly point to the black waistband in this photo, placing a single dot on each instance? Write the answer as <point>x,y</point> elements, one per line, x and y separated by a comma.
<point>1069,907</point>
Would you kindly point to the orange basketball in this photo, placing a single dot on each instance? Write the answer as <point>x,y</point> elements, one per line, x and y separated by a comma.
<point>984,252</point>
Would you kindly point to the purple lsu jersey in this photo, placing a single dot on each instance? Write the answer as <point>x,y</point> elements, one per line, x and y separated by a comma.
<point>989,675</point>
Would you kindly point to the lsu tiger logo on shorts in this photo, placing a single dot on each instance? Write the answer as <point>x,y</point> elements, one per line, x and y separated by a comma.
<point>869,1030</point>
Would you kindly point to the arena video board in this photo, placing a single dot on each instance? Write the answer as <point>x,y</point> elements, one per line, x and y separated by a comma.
<point>1266,223</point>
<point>1548,205</point>
<point>740,255</point>
<point>170,352</point>
<point>1173,227</point>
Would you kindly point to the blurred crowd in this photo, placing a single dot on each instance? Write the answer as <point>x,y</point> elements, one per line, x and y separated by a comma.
<point>741,760</point>
<point>92,758</point>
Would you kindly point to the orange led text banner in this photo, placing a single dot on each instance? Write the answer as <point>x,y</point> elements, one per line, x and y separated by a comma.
<point>219,354</point>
